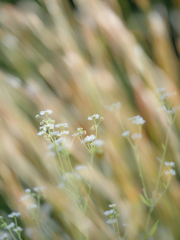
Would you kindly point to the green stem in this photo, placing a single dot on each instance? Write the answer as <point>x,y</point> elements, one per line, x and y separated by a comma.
<point>15,220</point>
<point>12,234</point>
<point>140,171</point>
<point>118,232</point>
<point>90,175</point>
<point>162,161</point>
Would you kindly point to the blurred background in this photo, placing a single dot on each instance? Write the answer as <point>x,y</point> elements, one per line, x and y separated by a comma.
<point>75,58</point>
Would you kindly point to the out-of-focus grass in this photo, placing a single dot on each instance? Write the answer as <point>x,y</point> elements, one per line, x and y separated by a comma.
<point>75,62</point>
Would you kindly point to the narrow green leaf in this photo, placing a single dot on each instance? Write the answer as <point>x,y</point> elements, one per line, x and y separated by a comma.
<point>165,186</point>
<point>163,147</point>
<point>85,205</point>
<point>154,228</point>
<point>144,200</point>
<point>70,175</point>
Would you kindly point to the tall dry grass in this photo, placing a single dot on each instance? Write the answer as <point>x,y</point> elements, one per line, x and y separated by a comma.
<point>75,62</point>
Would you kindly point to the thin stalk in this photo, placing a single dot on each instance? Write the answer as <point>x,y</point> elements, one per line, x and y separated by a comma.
<point>162,160</point>
<point>90,175</point>
<point>15,220</point>
<point>12,234</point>
<point>140,171</point>
<point>117,226</point>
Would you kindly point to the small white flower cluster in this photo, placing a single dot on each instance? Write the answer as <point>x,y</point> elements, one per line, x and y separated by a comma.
<point>44,113</point>
<point>24,198</point>
<point>4,236</point>
<point>160,90</point>
<point>94,117</point>
<point>163,93</point>
<point>138,120</point>
<point>111,221</point>
<point>60,140</point>
<point>125,134</point>
<point>113,107</point>
<point>10,226</point>
<point>61,125</point>
<point>14,214</point>
<point>89,139</point>
<point>136,136</point>
<point>109,212</point>
<point>55,133</point>
<point>55,138</point>
<point>169,164</point>
<point>164,108</point>
<point>39,189</point>
<point>170,172</point>
<point>18,229</point>
<point>63,133</point>
<point>112,213</point>
<point>98,143</point>
<point>70,175</point>
<point>112,205</point>
<point>31,206</point>
<point>27,190</point>
<point>81,167</point>
<point>79,132</point>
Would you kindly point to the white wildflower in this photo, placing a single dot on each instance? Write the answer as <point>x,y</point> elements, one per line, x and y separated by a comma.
<point>59,125</point>
<point>50,146</point>
<point>55,133</point>
<point>60,140</point>
<point>164,95</point>
<point>136,135</point>
<point>113,107</point>
<point>111,221</point>
<point>160,90</point>
<point>88,139</point>
<point>63,133</point>
<point>98,143</point>
<point>11,225</point>
<point>79,132</point>
<point>170,172</point>
<point>94,117</point>
<point>71,176</point>
<point>37,116</point>
<point>40,133</point>
<point>138,120</point>
<point>28,190</point>
<point>14,214</point>
<point>109,212</point>
<point>75,134</point>
<point>39,189</point>
<point>112,205</point>
<point>18,229</point>
<point>172,164</point>
<point>170,111</point>
<point>45,112</point>
<point>4,236</point>
<point>31,206</point>
<point>125,134</point>
<point>161,109</point>
<point>80,167</point>
<point>23,198</point>
<point>48,126</point>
